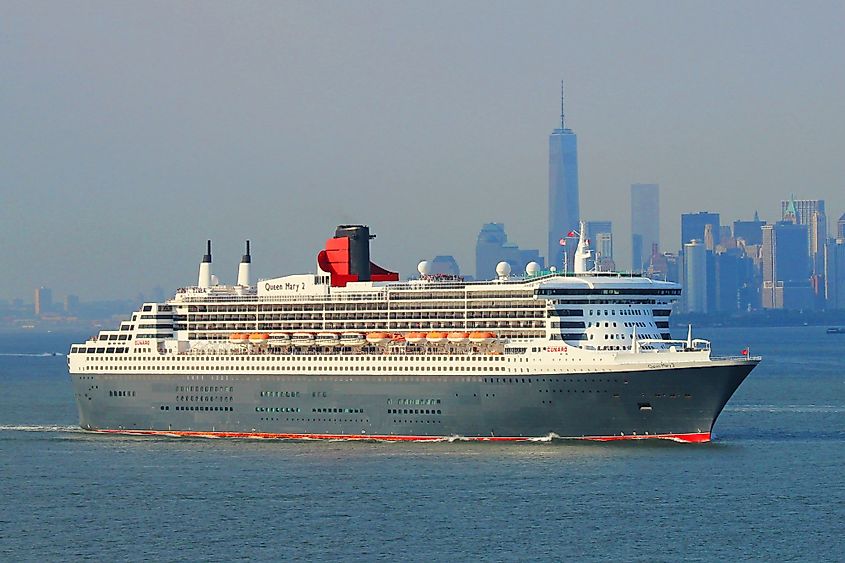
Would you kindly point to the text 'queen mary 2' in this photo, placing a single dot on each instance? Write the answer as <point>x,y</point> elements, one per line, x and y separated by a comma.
<point>351,352</point>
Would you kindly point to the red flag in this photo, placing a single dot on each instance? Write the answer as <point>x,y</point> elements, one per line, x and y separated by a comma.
<point>570,234</point>
<point>745,352</point>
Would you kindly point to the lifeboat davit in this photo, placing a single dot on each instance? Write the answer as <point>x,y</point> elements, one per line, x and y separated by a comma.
<point>415,337</point>
<point>352,339</point>
<point>435,337</point>
<point>379,337</point>
<point>302,339</point>
<point>238,338</point>
<point>457,337</point>
<point>481,337</point>
<point>258,337</point>
<point>327,339</point>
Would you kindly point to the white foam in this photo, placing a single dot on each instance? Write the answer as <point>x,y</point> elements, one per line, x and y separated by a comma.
<point>547,438</point>
<point>28,355</point>
<point>788,408</point>
<point>39,428</point>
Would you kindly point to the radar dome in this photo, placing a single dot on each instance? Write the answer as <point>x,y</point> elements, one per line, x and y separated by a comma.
<point>532,269</point>
<point>424,268</point>
<point>503,269</point>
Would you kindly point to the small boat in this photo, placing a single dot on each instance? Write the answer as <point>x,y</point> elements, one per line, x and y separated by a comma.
<point>481,337</point>
<point>327,339</point>
<point>258,337</point>
<point>302,339</point>
<point>238,338</point>
<point>379,337</point>
<point>457,337</point>
<point>435,337</point>
<point>415,337</point>
<point>352,339</point>
<point>836,330</point>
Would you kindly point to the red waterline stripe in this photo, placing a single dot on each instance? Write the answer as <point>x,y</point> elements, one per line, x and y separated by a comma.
<point>688,438</point>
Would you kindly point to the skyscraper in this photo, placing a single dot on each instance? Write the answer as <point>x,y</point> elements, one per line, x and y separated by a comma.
<point>809,212</point>
<point>694,224</point>
<point>492,247</point>
<point>603,245</point>
<point>695,276</point>
<point>801,208</point>
<point>749,231</point>
<point>445,264</point>
<point>786,267</point>
<point>43,300</point>
<point>564,212</point>
<point>834,273</point>
<point>600,236</point>
<point>645,224</point>
<point>840,227</point>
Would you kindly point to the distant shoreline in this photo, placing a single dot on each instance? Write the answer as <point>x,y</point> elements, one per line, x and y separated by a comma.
<point>770,318</point>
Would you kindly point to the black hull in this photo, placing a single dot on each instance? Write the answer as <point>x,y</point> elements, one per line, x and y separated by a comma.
<point>681,403</point>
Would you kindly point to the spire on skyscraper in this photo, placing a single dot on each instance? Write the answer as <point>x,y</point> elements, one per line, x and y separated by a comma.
<point>791,213</point>
<point>562,113</point>
<point>756,216</point>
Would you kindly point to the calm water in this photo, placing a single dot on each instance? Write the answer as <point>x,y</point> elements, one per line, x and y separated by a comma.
<point>770,486</point>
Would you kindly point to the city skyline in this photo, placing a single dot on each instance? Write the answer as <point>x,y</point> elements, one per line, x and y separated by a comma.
<point>135,133</point>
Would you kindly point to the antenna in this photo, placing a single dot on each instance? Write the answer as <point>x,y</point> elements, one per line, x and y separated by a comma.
<point>562,113</point>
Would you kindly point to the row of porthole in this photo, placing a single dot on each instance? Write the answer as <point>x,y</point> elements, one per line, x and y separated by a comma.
<point>205,398</point>
<point>426,421</point>
<point>543,380</point>
<point>221,409</point>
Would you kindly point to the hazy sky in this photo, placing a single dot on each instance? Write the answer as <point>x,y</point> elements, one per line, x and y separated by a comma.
<point>133,131</point>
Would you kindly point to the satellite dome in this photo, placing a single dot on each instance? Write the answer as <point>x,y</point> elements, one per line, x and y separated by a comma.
<point>553,269</point>
<point>424,268</point>
<point>532,268</point>
<point>503,269</point>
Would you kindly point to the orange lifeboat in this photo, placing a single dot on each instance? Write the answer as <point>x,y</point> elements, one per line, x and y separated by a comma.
<point>238,338</point>
<point>379,337</point>
<point>258,337</point>
<point>415,337</point>
<point>435,337</point>
<point>457,337</point>
<point>481,337</point>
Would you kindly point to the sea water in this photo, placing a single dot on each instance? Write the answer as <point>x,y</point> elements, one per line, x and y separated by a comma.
<point>769,486</point>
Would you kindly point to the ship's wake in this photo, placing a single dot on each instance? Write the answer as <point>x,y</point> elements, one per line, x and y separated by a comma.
<point>40,428</point>
<point>31,355</point>
<point>787,408</point>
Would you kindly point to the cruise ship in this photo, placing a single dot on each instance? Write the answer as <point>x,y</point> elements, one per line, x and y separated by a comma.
<point>351,352</point>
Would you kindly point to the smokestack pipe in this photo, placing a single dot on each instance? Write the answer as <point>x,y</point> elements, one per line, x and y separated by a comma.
<point>204,279</point>
<point>244,268</point>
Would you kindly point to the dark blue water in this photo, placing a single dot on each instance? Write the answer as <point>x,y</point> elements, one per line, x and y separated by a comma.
<point>770,486</point>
